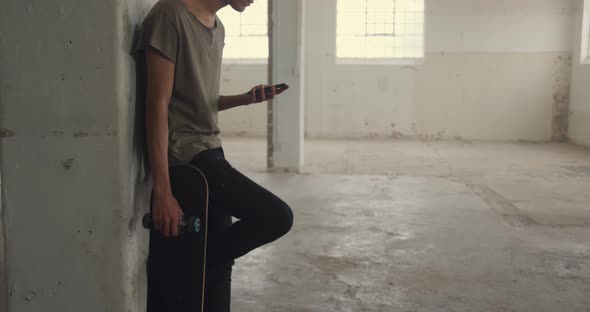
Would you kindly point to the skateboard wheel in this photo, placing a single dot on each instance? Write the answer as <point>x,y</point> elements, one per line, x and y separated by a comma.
<point>197,225</point>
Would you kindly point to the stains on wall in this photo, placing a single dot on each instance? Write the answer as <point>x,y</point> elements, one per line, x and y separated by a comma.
<point>438,136</point>
<point>561,98</point>
<point>31,295</point>
<point>397,135</point>
<point>6,133</point>
<point>78,134</point>
<point>67,163</point>
<point>381,133</point>
<point>560,116</point>
<point>86,133</point>
<point>426,136</point>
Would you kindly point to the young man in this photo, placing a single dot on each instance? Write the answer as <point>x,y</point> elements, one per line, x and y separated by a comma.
<point>181,44</point>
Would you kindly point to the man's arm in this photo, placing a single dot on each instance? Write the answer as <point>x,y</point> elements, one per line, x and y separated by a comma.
<point>227,102</point>
<point>160,73</point>
<point>166,213</point>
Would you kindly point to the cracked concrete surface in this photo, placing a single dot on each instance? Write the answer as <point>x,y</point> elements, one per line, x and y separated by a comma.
<point>423,226</point>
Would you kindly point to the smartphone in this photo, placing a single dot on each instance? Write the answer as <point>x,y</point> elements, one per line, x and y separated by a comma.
<point>278,88</point>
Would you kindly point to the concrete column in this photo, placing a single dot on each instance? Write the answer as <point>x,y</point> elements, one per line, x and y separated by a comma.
<point>286,115</point>
<point>73,184</point>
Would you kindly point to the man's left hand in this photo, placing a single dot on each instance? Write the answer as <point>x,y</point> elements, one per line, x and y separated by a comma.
<point>258,95</point>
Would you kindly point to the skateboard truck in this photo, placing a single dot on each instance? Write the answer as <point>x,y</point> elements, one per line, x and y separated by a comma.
<point>190,225</point>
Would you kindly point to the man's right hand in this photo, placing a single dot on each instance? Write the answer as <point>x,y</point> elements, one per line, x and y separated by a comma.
<point>166,214</point>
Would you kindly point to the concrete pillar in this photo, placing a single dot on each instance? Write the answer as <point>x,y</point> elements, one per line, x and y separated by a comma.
<point>73,184</point>
<point>286,115</point>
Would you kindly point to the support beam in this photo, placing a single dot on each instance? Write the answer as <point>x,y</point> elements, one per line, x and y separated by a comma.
<point>286,126</point>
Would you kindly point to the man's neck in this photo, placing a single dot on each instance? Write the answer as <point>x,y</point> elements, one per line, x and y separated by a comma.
<point>206,7</point>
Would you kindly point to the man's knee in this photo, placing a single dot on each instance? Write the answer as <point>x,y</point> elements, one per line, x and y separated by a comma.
<point>283,221</point>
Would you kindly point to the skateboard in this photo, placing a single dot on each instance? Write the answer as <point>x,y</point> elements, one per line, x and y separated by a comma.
<point>176,265</point>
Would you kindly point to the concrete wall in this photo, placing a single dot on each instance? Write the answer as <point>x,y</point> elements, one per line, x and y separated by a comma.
<point>579,131</point>
<point>73,184</point>
<point>494,70</point>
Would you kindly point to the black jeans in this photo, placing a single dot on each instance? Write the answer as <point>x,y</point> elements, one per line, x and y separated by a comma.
<point>262,218</point>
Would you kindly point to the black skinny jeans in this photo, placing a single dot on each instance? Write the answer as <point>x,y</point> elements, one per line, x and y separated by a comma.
<point>262,218</point>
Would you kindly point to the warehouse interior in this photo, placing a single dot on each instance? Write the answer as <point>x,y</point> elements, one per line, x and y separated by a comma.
<point>436,154</point>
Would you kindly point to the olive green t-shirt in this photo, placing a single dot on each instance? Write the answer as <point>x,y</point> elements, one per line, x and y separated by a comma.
<point>196,51</point>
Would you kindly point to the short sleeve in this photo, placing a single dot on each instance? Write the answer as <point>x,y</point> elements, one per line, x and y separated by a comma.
<point>159,32</point>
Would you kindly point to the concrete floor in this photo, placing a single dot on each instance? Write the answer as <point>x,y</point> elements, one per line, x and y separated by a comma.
<point>423,226</point>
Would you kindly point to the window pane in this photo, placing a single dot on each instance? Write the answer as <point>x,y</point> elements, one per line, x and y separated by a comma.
<point>351,24</point>
<point>253,29</point>
<point>246,47</point>
<point>380,5</point>
<point>380,29</point>
<point>352,6</point>
<point>246,34</point>
<point>352,47</point>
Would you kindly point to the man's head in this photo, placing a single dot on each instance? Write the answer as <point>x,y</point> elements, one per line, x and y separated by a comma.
<point>239,5</point>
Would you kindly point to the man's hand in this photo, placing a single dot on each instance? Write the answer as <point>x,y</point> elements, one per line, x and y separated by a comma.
<point>166,214</point>
<point>258,95</point>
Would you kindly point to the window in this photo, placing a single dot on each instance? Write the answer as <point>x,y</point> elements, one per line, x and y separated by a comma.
<point>380,29</point>
<point>246,34</point>
<point>585,55</point>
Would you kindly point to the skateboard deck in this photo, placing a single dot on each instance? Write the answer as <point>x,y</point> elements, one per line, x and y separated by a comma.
<point>176,265</point>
